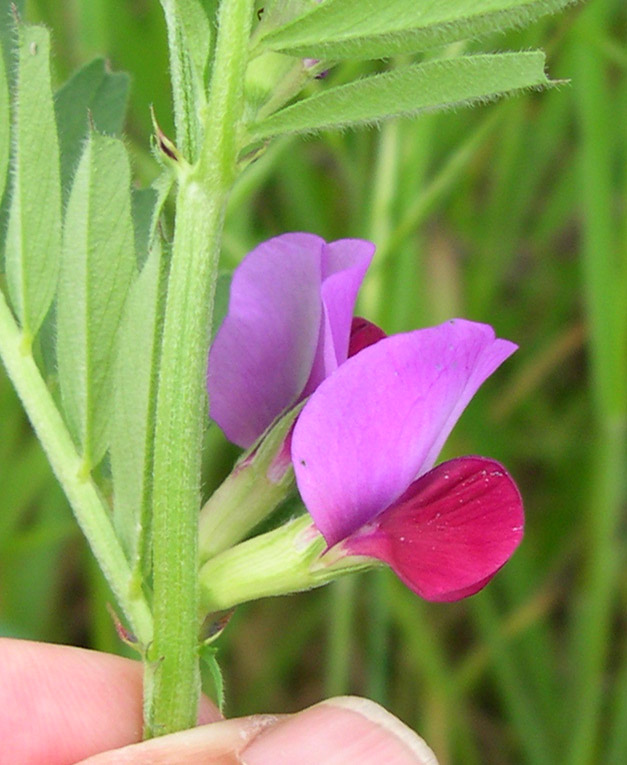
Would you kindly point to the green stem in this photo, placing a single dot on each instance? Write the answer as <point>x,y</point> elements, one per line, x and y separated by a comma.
<point>592,625</point>
<point>430,670</point>
<point>172,696</point>
<point>90,510</point>
<point>604,274</point>
<point>383,197</point>
<point>340,628</point>
<point>385,191</point>
<point>441,183</point>
<point>379,635</point>
<point>521,707</point>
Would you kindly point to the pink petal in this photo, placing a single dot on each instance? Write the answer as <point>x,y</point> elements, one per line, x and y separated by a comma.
<point>262,356</point>
<point>381,419</point>
<point>344,265</point>
<point>450,532</point>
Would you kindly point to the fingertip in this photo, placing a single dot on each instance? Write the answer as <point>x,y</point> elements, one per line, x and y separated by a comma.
<point>59,704</point>
<point>380,716</point>
<point>347,729</point>
<point>208,712</point>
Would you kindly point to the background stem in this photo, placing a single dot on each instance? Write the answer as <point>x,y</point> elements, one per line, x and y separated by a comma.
<point>604,267</point>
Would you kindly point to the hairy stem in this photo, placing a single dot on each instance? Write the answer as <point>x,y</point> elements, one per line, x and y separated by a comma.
<point>181,398</point>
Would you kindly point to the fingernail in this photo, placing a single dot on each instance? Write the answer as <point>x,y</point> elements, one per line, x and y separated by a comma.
<point>347,729</point>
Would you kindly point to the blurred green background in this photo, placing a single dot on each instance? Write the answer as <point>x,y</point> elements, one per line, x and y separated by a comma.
<point>513,214</point>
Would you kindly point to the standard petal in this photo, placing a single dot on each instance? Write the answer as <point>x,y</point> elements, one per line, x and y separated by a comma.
<point>287,328</point>
<point>344,265</point>
<point>381,419</point>
<point>450,532</point>
<point>262,355</point>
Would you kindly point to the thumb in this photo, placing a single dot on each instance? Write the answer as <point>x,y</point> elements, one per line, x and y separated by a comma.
<point>343,731</point>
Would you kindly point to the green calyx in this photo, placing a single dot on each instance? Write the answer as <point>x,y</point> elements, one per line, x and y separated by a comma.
<point>259,483</point>
<point>291,558</point>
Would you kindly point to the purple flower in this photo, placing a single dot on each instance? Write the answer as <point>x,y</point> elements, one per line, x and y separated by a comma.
<point>287,329</point>
<point>378,414</point>
<point>363,450</point>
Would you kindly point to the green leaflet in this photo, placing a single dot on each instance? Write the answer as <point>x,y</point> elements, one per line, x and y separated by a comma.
<point>134,383</point>
<point>196,19</point>
<point>209,657</point>
<point>91,94</point>
<point>433,85</point>
<point>5,123</point>
<point>98,264</point>
<point>132,427</point>
<point>34,231</point>
<point>7,29</point>
<point>338,29</point>
<point>143,207</point>
<point>276,13</point>
<point>147,206</point>
<point>190,38</point>
<point>6,46</point>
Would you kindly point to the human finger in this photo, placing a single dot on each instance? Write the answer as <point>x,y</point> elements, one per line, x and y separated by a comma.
<point>340,731</point>
<point>60,704</point>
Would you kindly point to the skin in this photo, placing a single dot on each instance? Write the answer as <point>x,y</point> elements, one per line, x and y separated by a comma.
<point>62,705</point>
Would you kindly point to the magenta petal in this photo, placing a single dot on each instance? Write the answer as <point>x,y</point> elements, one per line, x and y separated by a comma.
<point>381,419</point>
<point>450,532</point>
<point>263,355</point>
<point>344,265</point>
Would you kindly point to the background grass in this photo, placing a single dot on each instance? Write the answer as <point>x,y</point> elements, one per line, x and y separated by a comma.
<point>514,214</point>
